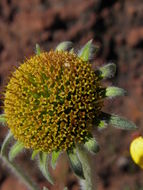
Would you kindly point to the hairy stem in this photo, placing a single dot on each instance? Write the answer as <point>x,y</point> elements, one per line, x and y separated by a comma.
<point>88,168</point>
<point>19,173</point>
<point>15,169</point>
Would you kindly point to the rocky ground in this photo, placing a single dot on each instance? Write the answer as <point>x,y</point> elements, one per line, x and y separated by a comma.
<point>117,27</point>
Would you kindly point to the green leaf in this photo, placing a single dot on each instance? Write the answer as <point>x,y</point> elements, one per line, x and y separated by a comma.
<point>34,153</point>
<point>55,156</point>
<point>2,119</point>
<point>38,51</point>
<point>43,166</point>
<point>65,188</point>
<point>88,51</point>
<point>75,163</point>
<point>5,144</point>
<point>107,71</point>
<point>92,145</point>
<point>114,92</point>
<point>15,150</point>
<point>64,46</point>
<point>118,122</point>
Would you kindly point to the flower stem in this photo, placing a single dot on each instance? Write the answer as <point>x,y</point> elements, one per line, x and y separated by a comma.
<point>88,168</point>
<point>19,173</point>
<point>15,169</point>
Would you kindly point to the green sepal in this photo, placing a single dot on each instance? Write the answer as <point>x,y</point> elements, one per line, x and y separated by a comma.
<point>5,144</point>
<point>55,156</point>
<point>64,46</point>
<point>2,119</point>
<point>15,150</point>
<point>102,125</point>
<point>92,145</point>
<point>88,51</point>
<point>118,122</point>
<point>38,50</point>
<point>65,188</point>
<point>72,50</point>
<point>114,92</point>
<point>43,166</point>
<point>34,153</point>
<point>75,163</point>
<point>107,71</point>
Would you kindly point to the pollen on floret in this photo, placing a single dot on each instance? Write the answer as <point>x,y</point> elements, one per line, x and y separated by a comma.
<point>52,100</point>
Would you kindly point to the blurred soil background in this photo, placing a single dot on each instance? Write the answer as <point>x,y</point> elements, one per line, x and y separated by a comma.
<point>117,27</point>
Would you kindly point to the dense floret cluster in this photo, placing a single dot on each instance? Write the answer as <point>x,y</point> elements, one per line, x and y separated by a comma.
<point>52,101</point>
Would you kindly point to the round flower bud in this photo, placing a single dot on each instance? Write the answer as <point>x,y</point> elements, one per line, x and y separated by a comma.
<point>136,151</point>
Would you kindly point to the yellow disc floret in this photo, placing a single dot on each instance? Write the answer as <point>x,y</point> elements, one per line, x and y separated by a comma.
<point>52,100</point>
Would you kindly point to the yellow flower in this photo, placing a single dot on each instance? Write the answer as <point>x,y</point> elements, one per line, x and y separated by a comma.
<point>136,151</point>
<point>54,101</point>
<point>51,101</point>
<point>54,98</point>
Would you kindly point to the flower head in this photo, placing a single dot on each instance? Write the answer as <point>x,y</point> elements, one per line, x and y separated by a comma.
<point>53,102</point>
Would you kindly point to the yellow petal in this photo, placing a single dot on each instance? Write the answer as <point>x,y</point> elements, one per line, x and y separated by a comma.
<point>136,151</point>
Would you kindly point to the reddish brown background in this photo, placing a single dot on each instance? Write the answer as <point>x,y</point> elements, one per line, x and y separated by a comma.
<point>117,26</point>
